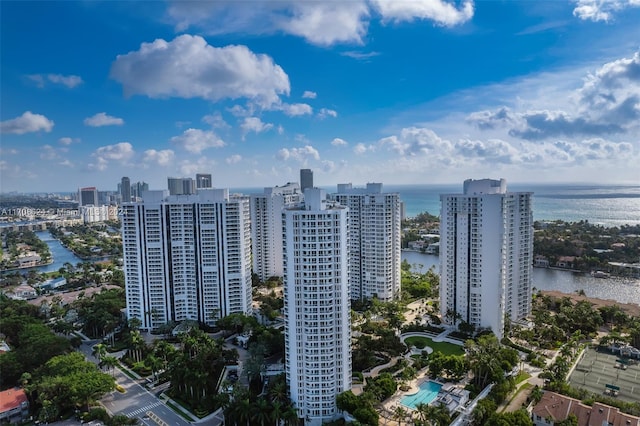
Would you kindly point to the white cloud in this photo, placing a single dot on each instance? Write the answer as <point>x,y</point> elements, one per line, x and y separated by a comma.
<point>293,110</point>
<point>68,141</point>
<point>439,11</point>
<point>339,142</point>
<point>188,67</point>
<point>309,94</point>
<point>69,81</point>
<point>8,151</point>
<point>188,167</point>
<point>162,157</point>
<point>216,121</point>
<point>47,152</point>
<point>299,154</point>
<point>360,148</point>
<point>197,140</point>
<point>234,159</point>
<point>254,124</point>
<point>66,163</point>
<point>26,123</point>
<point>416,141</point>
<point>601,10</point>
<point>319,23</point>
<point>325,112</point>
<point>360,56</point>
<point>102,119</point>
<point>121,152</point>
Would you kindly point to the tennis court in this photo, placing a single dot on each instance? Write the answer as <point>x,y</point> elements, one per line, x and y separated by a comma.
<point>605,373</point>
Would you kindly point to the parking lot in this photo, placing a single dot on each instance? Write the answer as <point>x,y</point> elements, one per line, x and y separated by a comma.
<point>596,370</point>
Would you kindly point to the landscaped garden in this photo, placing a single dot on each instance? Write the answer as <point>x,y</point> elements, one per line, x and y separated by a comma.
<point>421,342</point>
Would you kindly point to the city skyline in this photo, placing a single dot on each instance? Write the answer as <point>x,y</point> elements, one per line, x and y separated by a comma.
<point>404,93</point>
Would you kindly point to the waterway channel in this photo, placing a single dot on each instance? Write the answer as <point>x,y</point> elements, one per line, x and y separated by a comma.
<point>623,290</point>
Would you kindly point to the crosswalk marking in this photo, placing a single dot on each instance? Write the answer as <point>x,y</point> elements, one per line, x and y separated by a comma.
<point>143,409</point>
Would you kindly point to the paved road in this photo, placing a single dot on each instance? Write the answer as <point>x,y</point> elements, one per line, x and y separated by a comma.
<point>137,400</point>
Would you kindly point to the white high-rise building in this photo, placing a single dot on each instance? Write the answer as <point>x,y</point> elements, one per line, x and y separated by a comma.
<point>186,257</point>
<point>486,252</point>
<point>316,306</point>
<point>374,241</point>
<point>266,227</point>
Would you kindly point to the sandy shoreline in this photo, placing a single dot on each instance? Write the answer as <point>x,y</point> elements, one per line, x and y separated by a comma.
<point>630,308</point>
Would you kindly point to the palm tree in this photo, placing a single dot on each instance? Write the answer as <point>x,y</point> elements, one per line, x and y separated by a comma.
<point>260,412</point>
<point>99,351</point>
<point>110,362</point>
<point>399,414</point>
<point>290,416</point>
<point>276,412</point>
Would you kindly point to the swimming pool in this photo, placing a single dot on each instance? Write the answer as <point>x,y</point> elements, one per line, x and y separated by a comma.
<point>427,393</point>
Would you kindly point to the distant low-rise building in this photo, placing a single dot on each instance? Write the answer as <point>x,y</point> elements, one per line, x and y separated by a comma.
<point>14,406</point>
<point>554,408</point>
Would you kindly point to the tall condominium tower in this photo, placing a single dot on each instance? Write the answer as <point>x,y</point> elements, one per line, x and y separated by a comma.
<point>203,180</point>
<point>374,241</point>
<point>266,227</point>
<point>306,179</point>
<point>316,306</point>
<point>125,189</point>
<point>486,246</point>
<point>88,196</point>
<point>186,257</point>
<point>181,186</point>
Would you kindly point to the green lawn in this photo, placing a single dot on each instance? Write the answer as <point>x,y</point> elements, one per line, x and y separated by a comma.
<point>444,347</point>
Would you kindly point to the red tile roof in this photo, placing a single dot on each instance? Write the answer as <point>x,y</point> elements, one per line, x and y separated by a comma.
<point>12,398</point>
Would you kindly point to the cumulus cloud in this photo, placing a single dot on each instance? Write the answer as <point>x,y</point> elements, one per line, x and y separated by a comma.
<point>339,142</point>
<point>493,151</point>
<point>162,157</point>
<point>26,123</point>
<point>254,124</point>
<point>319,23</point>
<point>293,110</point>
<point>197,140</point>
<point>69,81</point>
<point>102,119</point>
<point>309,94</point>
<point>491,119</point>
<point>187,167</point>
<point>121,152</point>
<point>417,140</point>
<point>233,159</point>
<point>216,121</point>
<point>188,67</point>
<point>325,112</point>
<point>68,141</point>
<point>601,10</point>
<point>361,148</point>
<point>439,11</point>
<point>299,154</point>
<point>545,124</point>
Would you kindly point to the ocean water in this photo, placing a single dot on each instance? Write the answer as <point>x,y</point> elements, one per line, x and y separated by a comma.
<point>607,205</point>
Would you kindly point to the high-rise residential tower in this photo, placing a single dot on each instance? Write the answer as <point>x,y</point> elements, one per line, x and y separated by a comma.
<point>186,257</point>
<point>486,252</point>
<point>203,181</point>
<point>316,306</point>
<point>266,227</point>
<point>374,241</point>
<point>181,186</point>
<point>88,196</point>
<point>125,189</point>
<point>306,179</point>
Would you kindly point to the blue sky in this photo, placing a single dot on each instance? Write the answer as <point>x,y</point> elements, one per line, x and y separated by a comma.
<point>423,91</point>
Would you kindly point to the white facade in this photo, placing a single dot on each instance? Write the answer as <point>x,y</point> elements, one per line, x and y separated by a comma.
<point>186,257</point>
<point>266,227</point>
<point>374,241</point>
<point>486,252</point>
<point>316,306</point>
<point>92,214</point>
